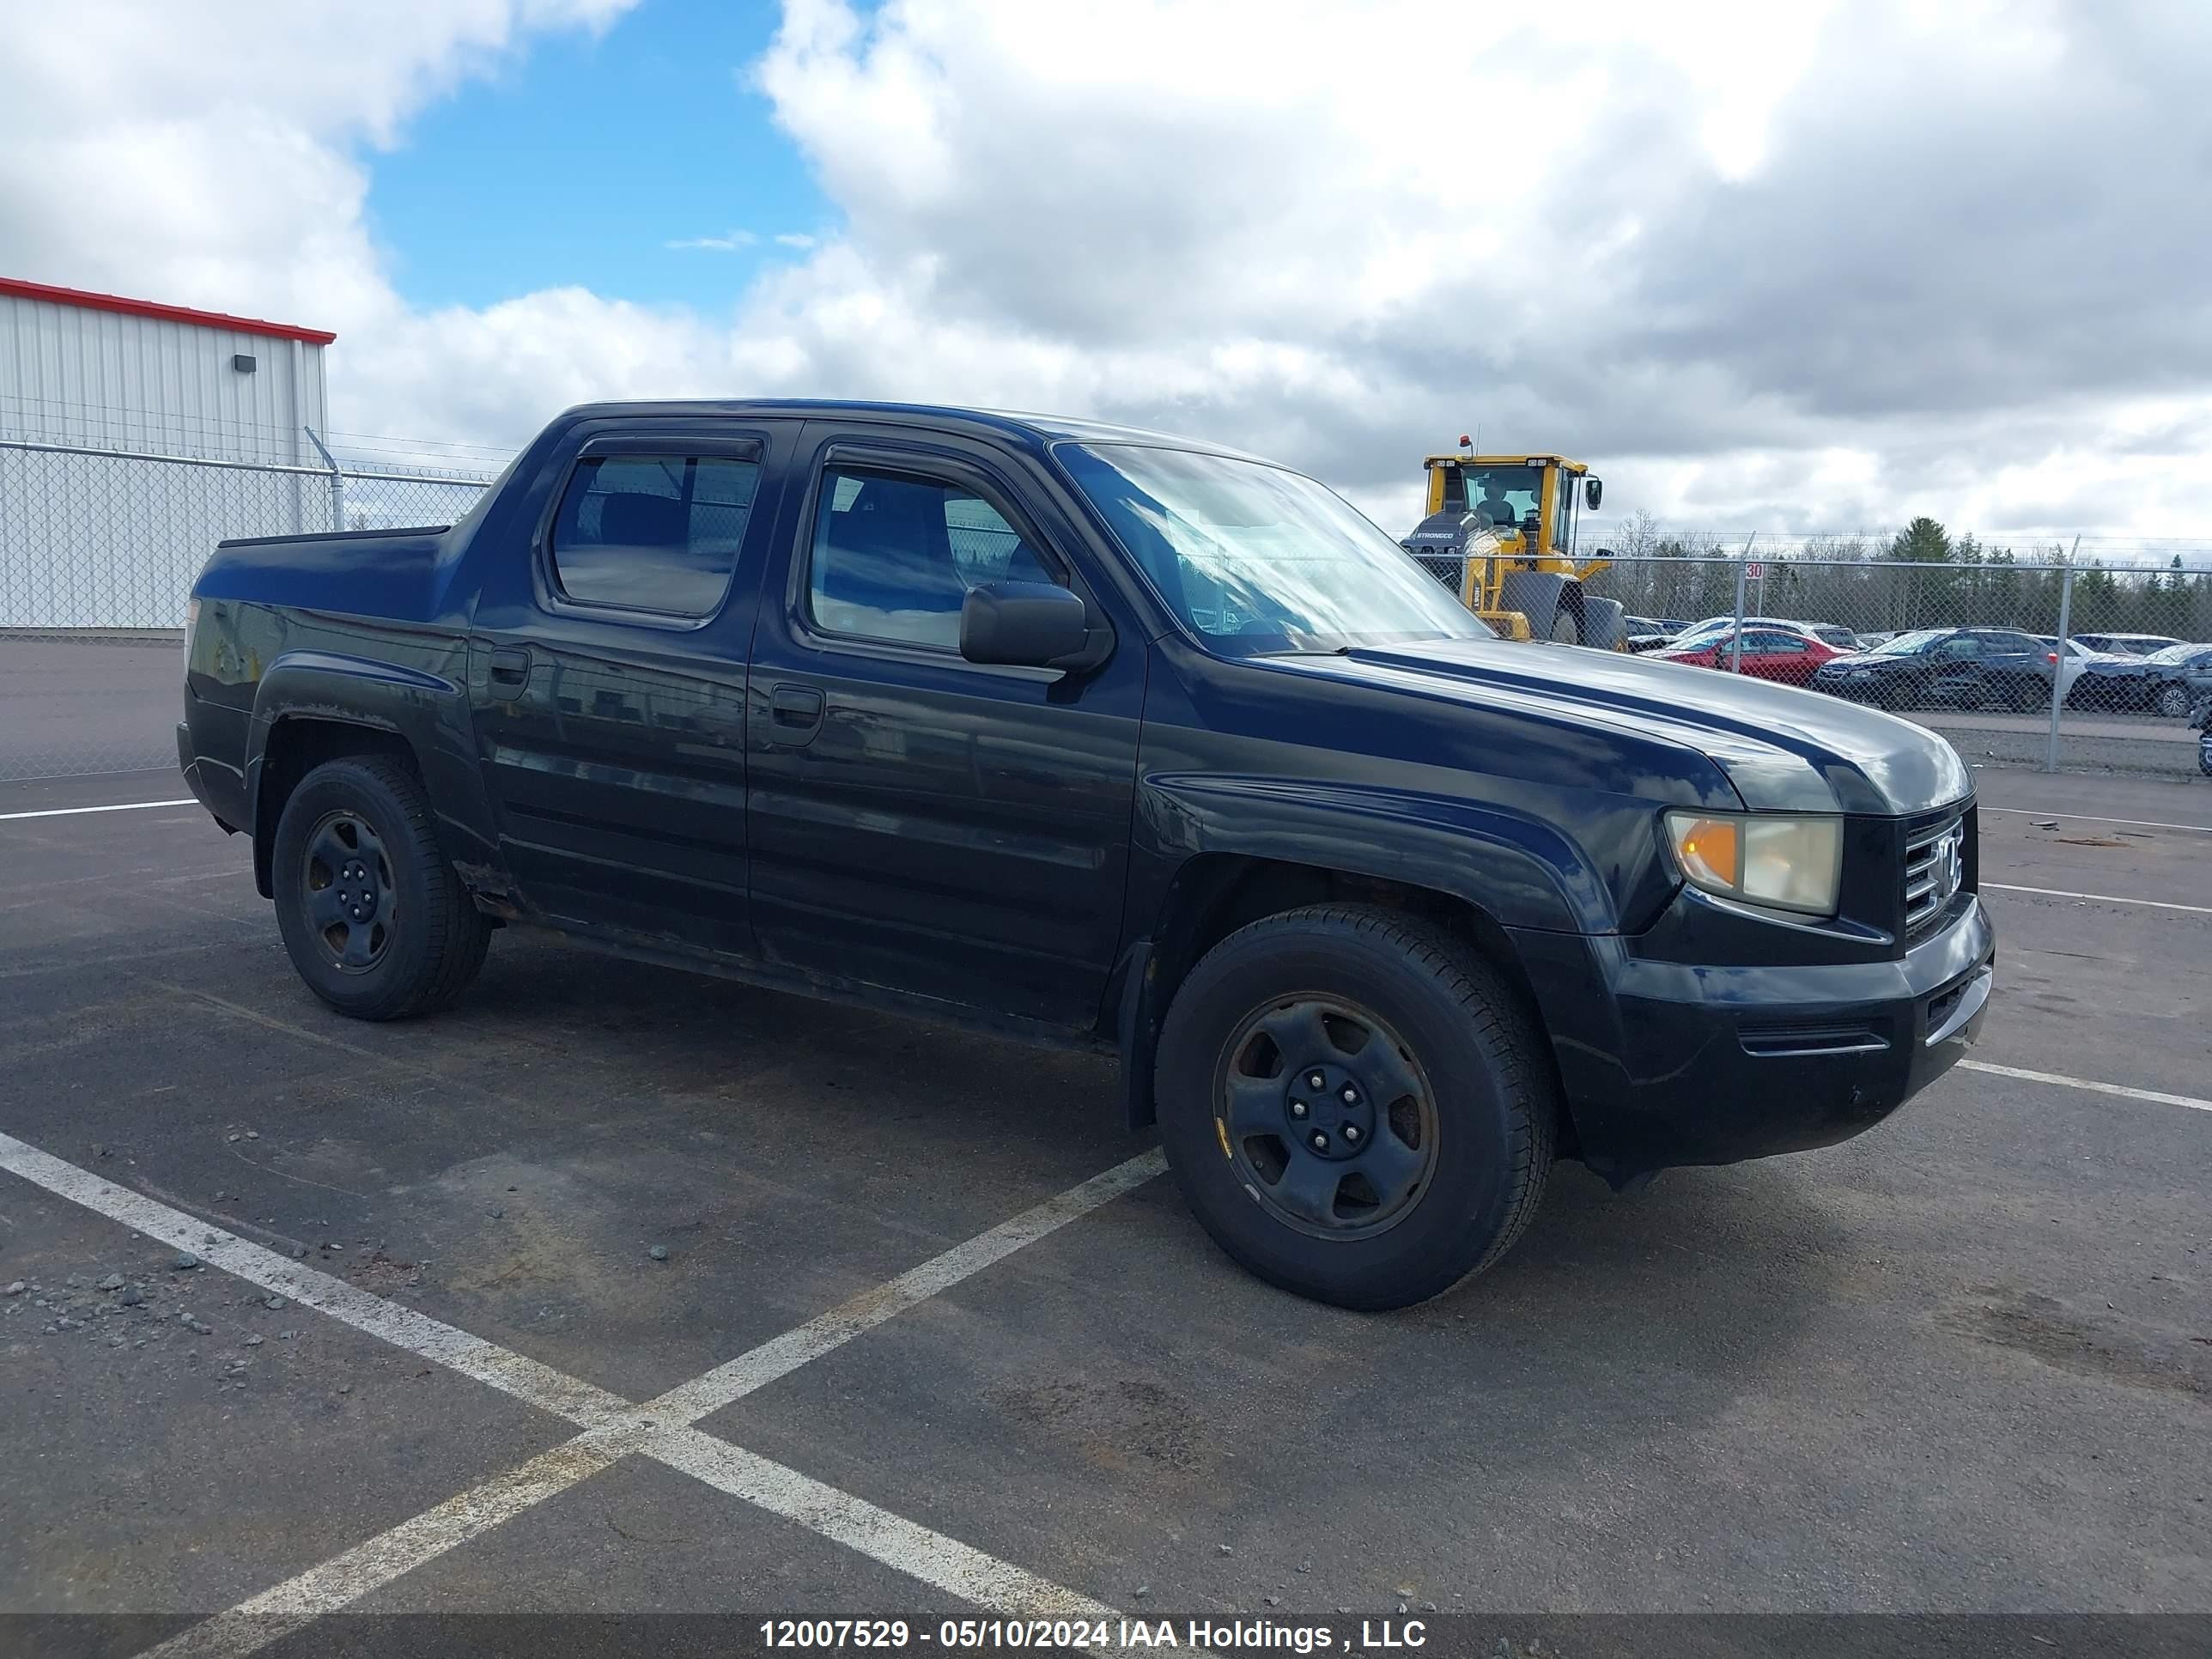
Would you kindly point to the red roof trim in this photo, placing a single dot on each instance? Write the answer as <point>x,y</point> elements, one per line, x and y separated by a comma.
<point>85,301</point>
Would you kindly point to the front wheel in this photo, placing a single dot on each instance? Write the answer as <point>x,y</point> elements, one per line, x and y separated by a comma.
<point>373,917</point>
<point>1355,1106</point>
<point>2173,701</point>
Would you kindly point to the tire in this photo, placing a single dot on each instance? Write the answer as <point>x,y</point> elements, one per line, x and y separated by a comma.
<point>402,937</point>
<point>1550,602</point>
<point>1605,624</point>
<point>1463,1068</point>
<point>2027,697</point>
<point>2173,701</point>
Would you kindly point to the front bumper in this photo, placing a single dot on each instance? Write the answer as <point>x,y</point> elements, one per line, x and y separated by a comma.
<point>1667,1064</point>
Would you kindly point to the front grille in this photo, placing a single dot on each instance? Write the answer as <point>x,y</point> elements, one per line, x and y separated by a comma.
<point>1934,870</point>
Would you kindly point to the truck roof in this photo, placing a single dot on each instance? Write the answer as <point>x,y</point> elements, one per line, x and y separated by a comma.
<point>1462,459</point>
<point>1029,428</point>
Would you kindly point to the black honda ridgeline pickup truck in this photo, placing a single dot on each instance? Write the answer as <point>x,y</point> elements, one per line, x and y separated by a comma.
<point>1090,735</point>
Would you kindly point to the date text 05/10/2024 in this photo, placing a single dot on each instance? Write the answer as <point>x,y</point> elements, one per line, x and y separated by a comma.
<point>993,1635</point>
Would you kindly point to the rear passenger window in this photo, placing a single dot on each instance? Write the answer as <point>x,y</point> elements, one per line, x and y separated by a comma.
<point>894,556</point>
<point>653,532</point>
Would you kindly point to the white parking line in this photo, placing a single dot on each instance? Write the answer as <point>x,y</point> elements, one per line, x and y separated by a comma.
<point>2097,898</point>
<point>2098,817</point>
<point>736,1379</point>
<point>914,1550</point>
<point>375,1562</point>
<point>488,1363</point>
<point>2119,1089</point>
<point>614,1428</point>
<point>72,811</point>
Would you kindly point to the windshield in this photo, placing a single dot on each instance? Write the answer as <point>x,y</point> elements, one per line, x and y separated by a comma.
<point>1503,496</point>
<point>1906,644</point>
<point>2175,653</point>
<point>1261,561</point>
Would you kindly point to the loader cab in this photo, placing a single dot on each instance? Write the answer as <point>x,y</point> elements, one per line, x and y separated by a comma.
<point>1531,501</point>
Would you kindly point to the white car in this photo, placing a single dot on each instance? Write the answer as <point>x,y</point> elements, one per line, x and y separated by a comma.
<point>2077,657</point>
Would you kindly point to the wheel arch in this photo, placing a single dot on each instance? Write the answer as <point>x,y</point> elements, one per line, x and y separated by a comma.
<point>294,745</point>
<point>314,705</point>
<point>1212,895</point>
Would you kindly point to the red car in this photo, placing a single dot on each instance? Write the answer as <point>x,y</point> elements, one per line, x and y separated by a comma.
<point>1770,653</point>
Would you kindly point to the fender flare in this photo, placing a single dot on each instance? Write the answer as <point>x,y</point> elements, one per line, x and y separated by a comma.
<point>427,712</point>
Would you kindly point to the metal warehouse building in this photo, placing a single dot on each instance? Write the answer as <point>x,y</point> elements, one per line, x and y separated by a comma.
<point>133,437</point>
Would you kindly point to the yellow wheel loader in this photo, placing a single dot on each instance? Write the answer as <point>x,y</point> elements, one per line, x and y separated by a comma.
<point>1500,534</point>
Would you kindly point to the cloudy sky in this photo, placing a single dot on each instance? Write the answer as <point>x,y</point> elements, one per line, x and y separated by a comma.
<point>1802,267</point>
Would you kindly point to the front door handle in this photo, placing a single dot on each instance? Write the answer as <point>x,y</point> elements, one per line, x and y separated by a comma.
<point>510,665</point>
<point>795,713</point>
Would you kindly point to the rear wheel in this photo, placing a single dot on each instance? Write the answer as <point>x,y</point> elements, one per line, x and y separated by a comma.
<point>373,915</point>
<point>1355,1107</point>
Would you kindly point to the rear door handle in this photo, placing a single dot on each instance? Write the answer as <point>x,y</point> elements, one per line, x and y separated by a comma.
<point>795,713</point>
<point>510,665</point>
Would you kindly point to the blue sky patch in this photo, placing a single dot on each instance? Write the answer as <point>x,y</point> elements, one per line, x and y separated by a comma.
<point>640,164</point>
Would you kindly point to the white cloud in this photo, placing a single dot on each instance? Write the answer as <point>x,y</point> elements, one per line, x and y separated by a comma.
<point>728,242</point>
<point>1815,266</point>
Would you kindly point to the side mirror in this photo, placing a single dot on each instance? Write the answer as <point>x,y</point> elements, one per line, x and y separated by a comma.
<point>1593,492</point>
<point>1030,624</point>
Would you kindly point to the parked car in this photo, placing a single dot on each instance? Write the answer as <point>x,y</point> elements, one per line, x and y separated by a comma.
<point>1957,667</point>
<point>1643,634</point>
<point>2126,644</point>
<point>1883,636</point>
<point>2180,677</point>
<point>2073,660</point>
<point>1770,653</point>
<point>2109,681</point>
<point>1842,638</point>
<point>1108,740</point>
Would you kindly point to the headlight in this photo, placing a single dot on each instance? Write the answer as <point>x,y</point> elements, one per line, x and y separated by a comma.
<point>1788,864</point>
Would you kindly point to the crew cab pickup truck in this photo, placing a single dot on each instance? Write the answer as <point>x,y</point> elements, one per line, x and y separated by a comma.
<point>1092,736</point>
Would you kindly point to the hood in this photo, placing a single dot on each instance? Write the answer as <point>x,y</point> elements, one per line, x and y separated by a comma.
<point>1783,749</point>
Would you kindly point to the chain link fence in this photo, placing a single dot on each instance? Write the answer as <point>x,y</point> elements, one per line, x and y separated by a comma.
<point>2053,664</point>
<point>98,549</point>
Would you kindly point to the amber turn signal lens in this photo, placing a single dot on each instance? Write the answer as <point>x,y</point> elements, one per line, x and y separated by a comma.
<point>1712,851</point>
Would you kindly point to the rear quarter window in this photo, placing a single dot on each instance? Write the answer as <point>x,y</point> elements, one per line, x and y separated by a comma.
<point>653,532</point>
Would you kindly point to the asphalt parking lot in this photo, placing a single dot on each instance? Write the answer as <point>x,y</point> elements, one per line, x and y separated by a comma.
<point>615,1290</point>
